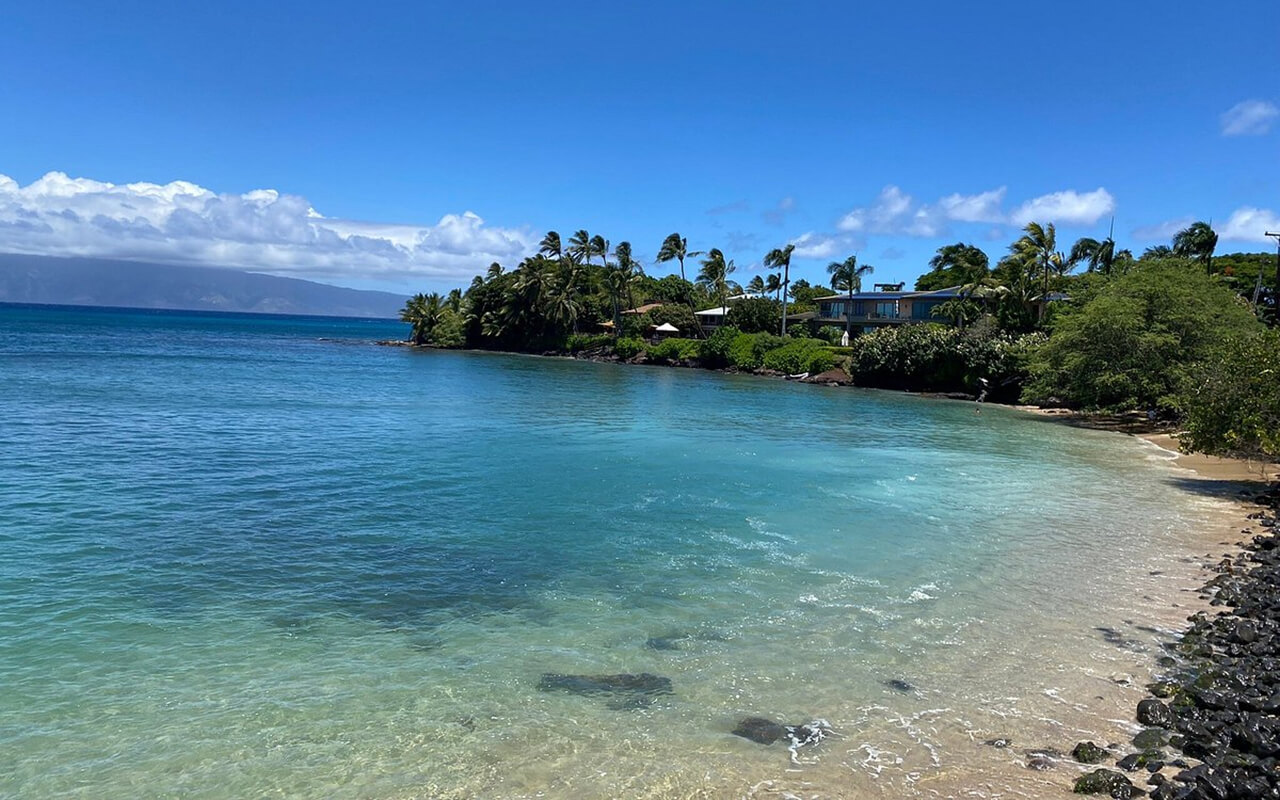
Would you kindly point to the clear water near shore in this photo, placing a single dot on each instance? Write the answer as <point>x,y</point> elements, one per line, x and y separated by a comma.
<point>260,556</point>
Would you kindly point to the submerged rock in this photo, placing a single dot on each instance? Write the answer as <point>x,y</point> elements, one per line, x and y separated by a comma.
<point>629,691</point>
<point>1152,738</point>
<point>1002,742</point>
<point>760,730</point>
<point>899,685</point>
<point>766,731</point>
<point>1089,753</point>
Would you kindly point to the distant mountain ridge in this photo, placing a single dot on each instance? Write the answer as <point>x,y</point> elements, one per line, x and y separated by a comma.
<point>134,284</point>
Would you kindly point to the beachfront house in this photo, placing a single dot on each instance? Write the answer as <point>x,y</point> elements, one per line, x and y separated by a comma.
<point>879,309</point>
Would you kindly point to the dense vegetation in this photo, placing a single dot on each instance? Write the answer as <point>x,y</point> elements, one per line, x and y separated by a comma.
<point>1177,330</point>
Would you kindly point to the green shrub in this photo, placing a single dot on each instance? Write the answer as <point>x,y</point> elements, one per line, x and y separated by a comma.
<point>578,342</point>
<point>716,348</point>
<point>450,331</point>
<point>1232,399</point>
<point>748,349</point>
<point>674,349</point>
<point>628,347</point>
<point>677,314</point>
<point>800,355</point>
<point>934,358</point>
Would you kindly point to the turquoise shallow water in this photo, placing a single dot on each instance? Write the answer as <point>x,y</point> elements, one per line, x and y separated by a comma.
<point>258,556</point>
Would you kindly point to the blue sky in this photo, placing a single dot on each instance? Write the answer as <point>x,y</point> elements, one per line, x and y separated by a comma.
<point>407,145</point>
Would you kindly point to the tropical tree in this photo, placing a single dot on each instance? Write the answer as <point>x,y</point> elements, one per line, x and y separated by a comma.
<point>454,302</point>
<point>846,276</point>
<point>599,247</point>
<point>1157,251</point>
<point>959,312</point>
<point>954,265</point>
<point>676,247</point>
<point>714,276</point>
<point>630,269</point>
<point>580,248</point>
<point>773,284</point>
<point>562,307</point>
<point>1038,249</point>
<point>756,286</point>
<point>422,312</point>
<point>781,257</point>
<point>495,269</point>
<point>550,246</point>
<point>1198,240</point>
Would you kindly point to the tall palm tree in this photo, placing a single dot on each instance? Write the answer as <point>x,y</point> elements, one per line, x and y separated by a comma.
<point>676,247</point>
<point>1038,249</point>
<point>756,286</point>
<point>454,302</point>
<point>422,312</point>
<point>579,248</point>
<point>714,276</point>
<point>599,246</point>
<point>630,269</point>
<point>562,306</point>
<point>773,285</point>
<point>1158,251</point>
<point>847,276</point>
<point>781,257</point>
<point>495,269</point>
<point>1198,241</point>
<point>550,246</point>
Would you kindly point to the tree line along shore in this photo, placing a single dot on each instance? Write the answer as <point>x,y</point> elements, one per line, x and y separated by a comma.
<point>1177,332</point>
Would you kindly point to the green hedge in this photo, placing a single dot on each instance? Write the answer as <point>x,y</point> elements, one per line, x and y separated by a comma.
<point>578,342</point>
<point>935,358</point>
<point>800,355</point>
<point>628,347</point>
<point>675,349</point>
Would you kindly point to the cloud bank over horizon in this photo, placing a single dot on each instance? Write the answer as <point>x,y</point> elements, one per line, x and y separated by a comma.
<point>262,230</point>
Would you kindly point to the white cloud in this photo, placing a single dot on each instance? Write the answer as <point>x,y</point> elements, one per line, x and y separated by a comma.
<point>983,207</point>
<point>1066,207</point>
<point>896,212</point>
<point>262,230</point>
<point>820,245</point>
<point>886,215</point>
<point>1249,118</point>
<point>1162,230</point>
<point>1250,225</point>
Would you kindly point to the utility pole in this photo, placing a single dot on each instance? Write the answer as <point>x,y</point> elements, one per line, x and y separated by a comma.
<point>1275,294</point>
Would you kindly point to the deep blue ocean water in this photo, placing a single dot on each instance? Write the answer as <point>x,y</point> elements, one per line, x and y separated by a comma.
<point>248,556</point>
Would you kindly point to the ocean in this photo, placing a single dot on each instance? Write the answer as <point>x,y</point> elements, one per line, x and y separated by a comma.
<point>258,556</point>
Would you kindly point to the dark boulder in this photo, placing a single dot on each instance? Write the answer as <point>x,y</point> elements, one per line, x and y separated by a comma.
<point>899,685</point>
<point>1152,738</point>
<point>1108,782</point>
<point>1088,753</point>
<point>1155,714</point>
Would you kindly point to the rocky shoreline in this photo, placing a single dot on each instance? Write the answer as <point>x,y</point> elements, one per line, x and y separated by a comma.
<point>1218,702</point>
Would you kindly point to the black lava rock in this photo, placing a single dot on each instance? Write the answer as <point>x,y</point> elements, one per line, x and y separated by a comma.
<point>1088,753</point>
<point>1108,782</point>
<point>1154,713</point>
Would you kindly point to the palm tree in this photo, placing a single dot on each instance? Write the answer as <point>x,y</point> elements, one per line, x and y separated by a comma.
<point>599,247</point>
<point>1158,251</point>
<point>773,285</point>
<point>562,306</point>
<point>676,247</point>
<point>1198,241</point>
<point>629,268</point>
<point>495,269</point>
<point>454,303</point>
<point>579,248</point>
<point>954,264</point>
<point>714,276</point>
<point>847,276</point>
<point>781,257</point>
<point>550,246</point>
<point>756,286</point>
<point>422,312</point>
<point>1038,249</point>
